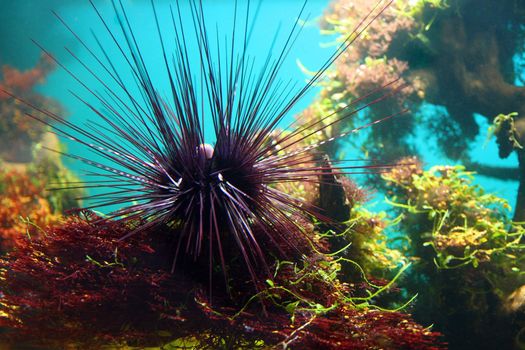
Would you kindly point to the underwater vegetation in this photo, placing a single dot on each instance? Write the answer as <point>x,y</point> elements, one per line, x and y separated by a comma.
<point>89,271</point>
<point>20,133</point>
<point>161,170</point>
<point>467,255</point>
<point>25,172</point>
<point>455,54</point>
<point>22,208</point>
<point>26,208</point>
<point>245,235</point>
<point>210,249</point>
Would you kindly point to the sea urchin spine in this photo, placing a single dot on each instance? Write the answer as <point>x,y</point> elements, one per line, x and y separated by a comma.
<point>162,171</point>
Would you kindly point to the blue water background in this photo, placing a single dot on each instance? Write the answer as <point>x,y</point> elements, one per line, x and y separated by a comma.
<point>274,17</point>
<point>37,22</point>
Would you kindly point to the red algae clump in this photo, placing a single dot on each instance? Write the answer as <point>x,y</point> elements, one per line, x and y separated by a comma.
<point>20,132</point>
<point>80,285</point>
<point>23,209</point>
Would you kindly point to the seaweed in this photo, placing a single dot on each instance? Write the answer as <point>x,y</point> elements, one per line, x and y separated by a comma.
<point>467,253</point>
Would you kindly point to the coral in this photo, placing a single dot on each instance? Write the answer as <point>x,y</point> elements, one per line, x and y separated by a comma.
<point>19,131</point>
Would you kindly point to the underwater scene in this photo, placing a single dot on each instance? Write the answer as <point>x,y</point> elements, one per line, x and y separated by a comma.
<point>262,174</point>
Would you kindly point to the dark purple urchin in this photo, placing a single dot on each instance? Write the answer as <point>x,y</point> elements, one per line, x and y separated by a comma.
<point>160,168</point>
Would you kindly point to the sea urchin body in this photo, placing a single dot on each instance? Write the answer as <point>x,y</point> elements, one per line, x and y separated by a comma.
<point>161,169</point>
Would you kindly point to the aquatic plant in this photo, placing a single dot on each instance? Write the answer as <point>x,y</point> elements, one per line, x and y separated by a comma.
<point>49,173</point>
<point>56,287</point>
<point>23,209</point>
<point>504,129</point>
<point>469,226</point>
<point>19,133</point>
<point>454,68</point>
<point>467,253</point>
<point>363,66</point>
<point>27,205</point>
<point>370,245</point>
<point>162,171</point>
<point>224,211</point>
<point>323,312</point>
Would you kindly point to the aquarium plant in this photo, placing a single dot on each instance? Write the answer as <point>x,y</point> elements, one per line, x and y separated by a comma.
<point>56,287</point>
<point>467,254</point>
<point>455,55</point>
<point>210,248</point>
<point>18,131</point>
<point>27,206</point>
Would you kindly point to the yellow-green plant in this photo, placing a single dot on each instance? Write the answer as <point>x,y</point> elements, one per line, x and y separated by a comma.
<point>369,244</point>
<point>463,224</point>
<point>468,254</point>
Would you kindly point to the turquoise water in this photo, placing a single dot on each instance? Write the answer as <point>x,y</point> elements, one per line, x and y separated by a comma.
<point>437,287</point>
<point>274,17</point>
<point>483,150</point>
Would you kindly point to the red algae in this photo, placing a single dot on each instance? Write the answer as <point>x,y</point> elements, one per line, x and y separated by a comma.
<point>20,82</point>
<point>23,208</point>
<point>20,132</point>
<point>80,285</point>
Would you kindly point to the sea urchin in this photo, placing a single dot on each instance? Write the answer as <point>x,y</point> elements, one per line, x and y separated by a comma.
<point>161,169</point>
